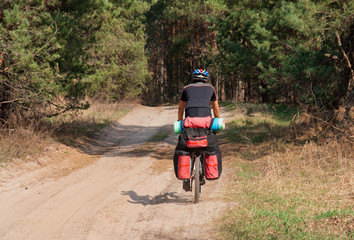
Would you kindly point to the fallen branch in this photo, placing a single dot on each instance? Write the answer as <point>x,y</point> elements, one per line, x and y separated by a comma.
<point>333,126</point>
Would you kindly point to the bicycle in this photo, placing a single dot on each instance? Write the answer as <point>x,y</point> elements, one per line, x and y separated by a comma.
<point>201,163</point>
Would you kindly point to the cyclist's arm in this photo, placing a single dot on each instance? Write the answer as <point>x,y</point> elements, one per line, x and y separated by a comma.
<point>215,107</point>
<point>181,107</point>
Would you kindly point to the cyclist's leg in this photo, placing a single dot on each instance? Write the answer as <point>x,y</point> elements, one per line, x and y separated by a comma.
<point>202,179</point>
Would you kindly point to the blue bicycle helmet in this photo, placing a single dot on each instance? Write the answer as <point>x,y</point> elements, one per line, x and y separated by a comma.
<point>200,75</point>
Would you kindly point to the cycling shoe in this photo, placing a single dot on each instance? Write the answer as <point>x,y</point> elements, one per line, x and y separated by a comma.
<point>187,185</point>
<point>202,181</point>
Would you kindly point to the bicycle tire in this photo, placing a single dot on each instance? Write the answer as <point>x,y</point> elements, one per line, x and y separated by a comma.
<point>197,187</point>
<point>192,171</point>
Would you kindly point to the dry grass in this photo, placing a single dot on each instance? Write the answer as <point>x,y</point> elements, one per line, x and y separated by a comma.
<point>28,142</point>
<point>287,190</point>
<point>282,194</point>
<point>72,128</point>
<point>326,170</point>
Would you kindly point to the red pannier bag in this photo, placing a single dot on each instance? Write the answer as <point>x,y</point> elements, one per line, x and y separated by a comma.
<point>211,166</point>
<point>183,167</point>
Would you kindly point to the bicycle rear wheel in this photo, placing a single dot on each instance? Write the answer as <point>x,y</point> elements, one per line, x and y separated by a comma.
<point>197,188</point>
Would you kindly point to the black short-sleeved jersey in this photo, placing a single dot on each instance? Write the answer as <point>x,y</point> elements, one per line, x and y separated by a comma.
<point>198,97</point>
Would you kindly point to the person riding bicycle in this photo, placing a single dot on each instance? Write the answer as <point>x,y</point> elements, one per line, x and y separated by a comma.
<point>197,100</point>
<point>197,97</point>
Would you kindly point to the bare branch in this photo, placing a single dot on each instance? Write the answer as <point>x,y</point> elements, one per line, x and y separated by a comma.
<point>17,99</point>
<point>351,81</point>
<point>67,108</point>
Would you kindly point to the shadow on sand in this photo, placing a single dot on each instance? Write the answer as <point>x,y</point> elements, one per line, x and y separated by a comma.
<point>170,197</point>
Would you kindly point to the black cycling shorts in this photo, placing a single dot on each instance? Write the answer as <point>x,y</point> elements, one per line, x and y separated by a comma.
<point>197,112</point>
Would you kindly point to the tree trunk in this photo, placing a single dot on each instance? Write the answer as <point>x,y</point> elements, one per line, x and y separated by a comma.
<point>347,102</point>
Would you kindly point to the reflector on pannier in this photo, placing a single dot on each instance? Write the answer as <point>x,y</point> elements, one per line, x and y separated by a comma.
<point>197,142</point>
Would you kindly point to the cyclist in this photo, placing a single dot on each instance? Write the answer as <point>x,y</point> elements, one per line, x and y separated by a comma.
<point>197,99</point>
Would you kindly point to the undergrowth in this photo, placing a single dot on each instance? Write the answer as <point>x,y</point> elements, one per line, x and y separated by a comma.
<point>283,188</point>
<point>21,143</point>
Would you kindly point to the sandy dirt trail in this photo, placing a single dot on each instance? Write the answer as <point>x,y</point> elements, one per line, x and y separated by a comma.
<point>125,194</point>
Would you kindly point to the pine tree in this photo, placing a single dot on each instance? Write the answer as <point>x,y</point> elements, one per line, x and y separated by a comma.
<point>53,50</point>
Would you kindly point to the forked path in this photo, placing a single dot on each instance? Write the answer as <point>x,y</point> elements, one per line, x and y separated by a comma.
<point>128,193</point>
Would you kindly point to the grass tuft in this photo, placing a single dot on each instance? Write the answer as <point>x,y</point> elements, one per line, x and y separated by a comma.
<point>160,136</point>
<point>21,143</point>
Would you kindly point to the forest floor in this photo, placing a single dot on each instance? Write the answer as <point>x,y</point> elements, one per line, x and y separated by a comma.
<point>120,186</point>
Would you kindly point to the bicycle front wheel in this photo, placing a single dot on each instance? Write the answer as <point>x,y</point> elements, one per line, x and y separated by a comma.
<point>197,188</point>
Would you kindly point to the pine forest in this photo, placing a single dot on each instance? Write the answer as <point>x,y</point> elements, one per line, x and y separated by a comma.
<point>56,53</point>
